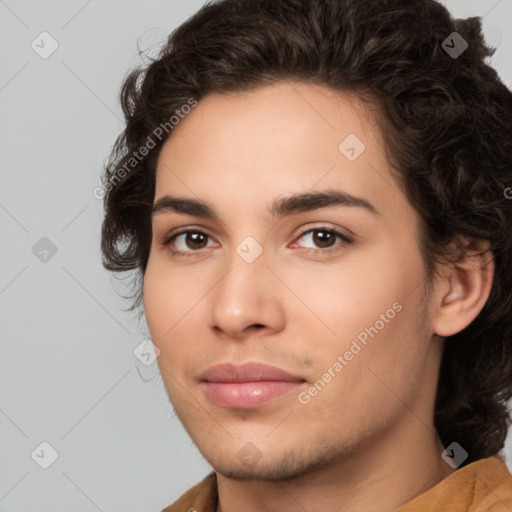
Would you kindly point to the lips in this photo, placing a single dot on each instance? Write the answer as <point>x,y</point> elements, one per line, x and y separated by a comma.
<point>247,386</point>
<point>248,372</point>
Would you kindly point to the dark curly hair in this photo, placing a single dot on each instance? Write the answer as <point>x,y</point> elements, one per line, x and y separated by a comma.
<point>447,122</point>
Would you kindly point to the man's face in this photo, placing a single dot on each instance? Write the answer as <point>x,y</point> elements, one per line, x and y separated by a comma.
<point>343,314</point>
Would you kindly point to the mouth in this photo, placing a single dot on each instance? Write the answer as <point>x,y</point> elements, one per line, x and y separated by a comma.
<point>247,386</point>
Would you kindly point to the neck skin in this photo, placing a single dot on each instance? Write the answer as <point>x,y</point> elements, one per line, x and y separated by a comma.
<point>390,470</point>
<point>373,479</point>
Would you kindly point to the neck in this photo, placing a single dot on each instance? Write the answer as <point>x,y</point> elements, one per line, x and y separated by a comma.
<point>386,473</point>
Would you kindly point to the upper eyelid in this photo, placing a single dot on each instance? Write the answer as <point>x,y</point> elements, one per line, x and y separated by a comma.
<point>204,230</point>
<point>185,230</point>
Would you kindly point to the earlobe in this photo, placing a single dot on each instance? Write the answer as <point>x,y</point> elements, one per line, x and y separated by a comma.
<point>463,291</point>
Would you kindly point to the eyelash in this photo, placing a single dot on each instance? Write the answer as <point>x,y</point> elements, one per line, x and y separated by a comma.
<point>345,241</point>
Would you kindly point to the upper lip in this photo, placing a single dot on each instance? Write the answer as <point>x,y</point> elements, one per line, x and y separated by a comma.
<point>248,372</point>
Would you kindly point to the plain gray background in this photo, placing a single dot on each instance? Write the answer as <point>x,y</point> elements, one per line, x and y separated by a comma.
<point>68,373</point>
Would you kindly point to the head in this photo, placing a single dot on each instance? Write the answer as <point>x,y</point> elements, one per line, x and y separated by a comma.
<point>342,179</point>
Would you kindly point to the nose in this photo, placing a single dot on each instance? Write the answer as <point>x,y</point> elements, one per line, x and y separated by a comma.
<point>247,298</point>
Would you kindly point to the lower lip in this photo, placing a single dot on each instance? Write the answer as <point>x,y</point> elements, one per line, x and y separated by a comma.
<point>247,395</point>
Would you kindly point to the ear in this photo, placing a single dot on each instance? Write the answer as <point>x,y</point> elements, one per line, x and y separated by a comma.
<point>463,289</point>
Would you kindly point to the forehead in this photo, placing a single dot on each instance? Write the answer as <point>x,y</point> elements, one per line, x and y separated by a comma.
<point>277,139</point>
<point>275,115</point>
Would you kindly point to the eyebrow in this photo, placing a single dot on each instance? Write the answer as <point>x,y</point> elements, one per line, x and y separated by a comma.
<point>282,207</point>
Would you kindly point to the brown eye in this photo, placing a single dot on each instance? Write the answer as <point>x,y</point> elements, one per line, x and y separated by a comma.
<point>323,239</point>
<point>187,242</point>
<point>196,240</point>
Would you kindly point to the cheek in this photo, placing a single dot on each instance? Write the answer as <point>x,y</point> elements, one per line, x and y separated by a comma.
<point>368,309</point>
<point>174,304</point>
<point>155,305</point>
<point>373,363</point>
<point>349,296</point>
<point>164,300</point>
<point>159,305</point>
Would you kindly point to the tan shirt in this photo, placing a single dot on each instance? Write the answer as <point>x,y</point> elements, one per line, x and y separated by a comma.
<point>482,486</point>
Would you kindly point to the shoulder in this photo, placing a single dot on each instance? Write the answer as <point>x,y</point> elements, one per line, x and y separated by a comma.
<point>200,498</point>
<point>492,486</point>
<point>482,486</point>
